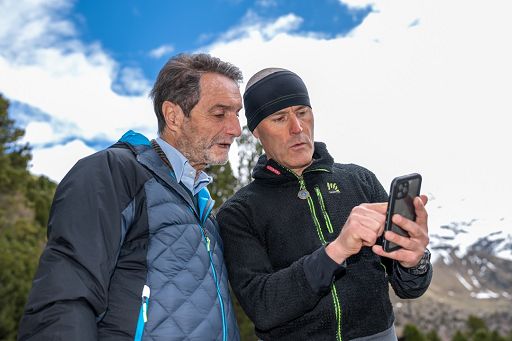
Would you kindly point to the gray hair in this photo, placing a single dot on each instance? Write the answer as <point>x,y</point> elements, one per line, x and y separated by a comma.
<point>262,74</point>
<point>178,81</point>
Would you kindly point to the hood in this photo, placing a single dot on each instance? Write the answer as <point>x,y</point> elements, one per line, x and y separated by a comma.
<point>270,171</point>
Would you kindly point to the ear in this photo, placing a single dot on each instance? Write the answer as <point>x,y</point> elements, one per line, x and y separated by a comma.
<point>173,115</point>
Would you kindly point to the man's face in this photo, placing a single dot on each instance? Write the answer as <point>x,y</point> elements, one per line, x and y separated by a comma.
<point>205,137</point>
<point>287,137</point>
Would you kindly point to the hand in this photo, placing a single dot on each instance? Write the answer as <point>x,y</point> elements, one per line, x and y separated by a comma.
<point>413,246</point>
<point>362,228</point>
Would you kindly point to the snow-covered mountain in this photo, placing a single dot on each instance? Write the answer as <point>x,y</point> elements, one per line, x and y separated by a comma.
<point>461,237</point>
<point>479,258</point>
<point>472,275</point>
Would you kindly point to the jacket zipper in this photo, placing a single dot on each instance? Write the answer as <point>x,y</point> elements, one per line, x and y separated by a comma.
<point>206,239</point>
<point>302,186</point>
<point>143,313</point>
<point>324,211</point>
<point>217,285</point>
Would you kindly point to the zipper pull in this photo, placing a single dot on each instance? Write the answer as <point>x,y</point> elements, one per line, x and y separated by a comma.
<point>145,299</point>
<point>303,192</point>
<point>207,244</point>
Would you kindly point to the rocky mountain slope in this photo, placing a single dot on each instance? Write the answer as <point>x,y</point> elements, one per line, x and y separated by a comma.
<point>472,275</point>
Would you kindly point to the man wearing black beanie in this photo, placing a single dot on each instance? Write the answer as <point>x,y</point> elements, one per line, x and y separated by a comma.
<point>302,241</point>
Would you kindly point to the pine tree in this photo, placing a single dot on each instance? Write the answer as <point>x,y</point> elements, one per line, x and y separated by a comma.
<point>249,150</point>
<point>21,244</point>
<point>24,205</point>
<point>432,336</point>
<point>495,336</point>
<point>459,336</point>
<point>475,324</point>
<point>224,183</point>
<point>412,333</point>
<point>14,156</point>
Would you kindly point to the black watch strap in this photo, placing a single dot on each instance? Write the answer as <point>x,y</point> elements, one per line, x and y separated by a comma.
<point>422,267</point>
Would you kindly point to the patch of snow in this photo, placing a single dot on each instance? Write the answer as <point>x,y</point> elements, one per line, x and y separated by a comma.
<point>463,281</point>
<point>484,295</point>
<point>475,281</point>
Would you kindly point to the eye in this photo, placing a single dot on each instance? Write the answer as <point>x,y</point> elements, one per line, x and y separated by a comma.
<point>279,118</point>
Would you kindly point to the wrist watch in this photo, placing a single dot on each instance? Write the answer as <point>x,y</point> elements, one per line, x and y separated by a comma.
<point>422,267</point>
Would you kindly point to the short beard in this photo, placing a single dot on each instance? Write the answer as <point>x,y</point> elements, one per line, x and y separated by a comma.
<point>200,155</point>
<point>218,162</point>
<point>210,160</point>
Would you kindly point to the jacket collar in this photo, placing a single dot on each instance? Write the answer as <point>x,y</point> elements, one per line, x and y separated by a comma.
<point>148,157</point>
<point>270,171</point>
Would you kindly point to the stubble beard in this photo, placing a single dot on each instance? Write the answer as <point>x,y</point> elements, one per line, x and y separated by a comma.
<point>200,152</point>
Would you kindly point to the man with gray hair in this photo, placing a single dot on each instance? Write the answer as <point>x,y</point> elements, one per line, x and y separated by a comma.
<point>302,240</point>
<point>133,252</point>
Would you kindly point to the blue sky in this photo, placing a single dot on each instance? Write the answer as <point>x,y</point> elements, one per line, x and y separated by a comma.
<point>144,34</point>
<point>397,86</point>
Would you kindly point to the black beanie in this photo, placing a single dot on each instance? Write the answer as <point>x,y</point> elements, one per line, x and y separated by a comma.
<point>279,90</point>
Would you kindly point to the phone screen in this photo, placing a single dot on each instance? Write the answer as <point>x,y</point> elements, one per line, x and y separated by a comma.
<point>403,191</point>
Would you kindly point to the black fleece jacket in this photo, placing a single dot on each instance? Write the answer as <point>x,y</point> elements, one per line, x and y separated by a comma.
<point>275,252</point>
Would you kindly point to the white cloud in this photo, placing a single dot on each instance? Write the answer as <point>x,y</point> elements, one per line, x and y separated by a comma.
<point>253,23</point>
<point>54,162</point>
<point>43,64</point>
<point>131,81</point>
<point>417,87</point>
<point>38,133</point>
<point>161,51</point>
<point>38,28</point>
<point>266,3</point>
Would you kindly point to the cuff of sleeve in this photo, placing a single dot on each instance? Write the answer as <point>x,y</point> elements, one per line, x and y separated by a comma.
<point>320,270</point>
<point>407,276</point>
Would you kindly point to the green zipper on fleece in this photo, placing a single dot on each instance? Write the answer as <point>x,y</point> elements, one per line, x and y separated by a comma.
<point>302,185</point>
<point>324,211</point>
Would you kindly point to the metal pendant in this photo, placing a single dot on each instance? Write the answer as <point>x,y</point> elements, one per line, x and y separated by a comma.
<point>303,194</point>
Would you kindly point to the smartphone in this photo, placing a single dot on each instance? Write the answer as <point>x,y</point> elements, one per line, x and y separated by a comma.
<point>401,197</point>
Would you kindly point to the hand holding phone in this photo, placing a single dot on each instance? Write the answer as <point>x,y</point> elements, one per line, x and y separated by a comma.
<point>401,201</point>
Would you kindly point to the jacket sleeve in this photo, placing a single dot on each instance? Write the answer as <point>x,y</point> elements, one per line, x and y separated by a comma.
<point>404,284</point>
<point>70,288</point>
<point>270,298</point>
<point>407,285</point>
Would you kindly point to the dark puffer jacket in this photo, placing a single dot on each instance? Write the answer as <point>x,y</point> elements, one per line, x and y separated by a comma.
<point>274,235</point>
<point>129,256</point>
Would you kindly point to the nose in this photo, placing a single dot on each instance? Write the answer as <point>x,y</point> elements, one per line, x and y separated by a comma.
<point>295,125</point>
<point>233,126</point>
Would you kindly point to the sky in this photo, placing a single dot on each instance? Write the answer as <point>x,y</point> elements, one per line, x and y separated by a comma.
<point>397,86</point>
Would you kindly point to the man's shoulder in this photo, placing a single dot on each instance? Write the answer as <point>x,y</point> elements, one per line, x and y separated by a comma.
<point>356,174</point>
<point>112,153</point>
<point>115,160</point>
<point>350,168</point>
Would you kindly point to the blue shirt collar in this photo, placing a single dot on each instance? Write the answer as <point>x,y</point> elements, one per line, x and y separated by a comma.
<point>184,172</point>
